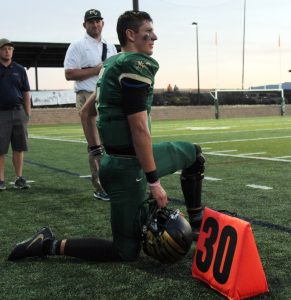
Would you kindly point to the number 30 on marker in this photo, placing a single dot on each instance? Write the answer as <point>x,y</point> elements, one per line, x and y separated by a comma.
<point>223,257</point>
<point>227,258</point>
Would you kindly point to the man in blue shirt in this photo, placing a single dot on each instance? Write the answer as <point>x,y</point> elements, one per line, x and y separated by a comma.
<point>14,113</point>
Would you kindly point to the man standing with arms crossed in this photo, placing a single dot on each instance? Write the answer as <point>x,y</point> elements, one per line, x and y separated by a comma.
<point>14,113</point>
<point>82,64</point>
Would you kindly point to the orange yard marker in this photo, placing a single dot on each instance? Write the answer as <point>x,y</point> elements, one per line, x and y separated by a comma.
<point>227,258</point>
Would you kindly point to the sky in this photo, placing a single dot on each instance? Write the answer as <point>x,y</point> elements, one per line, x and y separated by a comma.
<point>267,55</point>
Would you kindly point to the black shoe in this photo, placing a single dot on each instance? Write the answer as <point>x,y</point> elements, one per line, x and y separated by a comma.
<point>33,246</point>
<point>101,196</point>
<point>2,186</point>
<point>20,183</point>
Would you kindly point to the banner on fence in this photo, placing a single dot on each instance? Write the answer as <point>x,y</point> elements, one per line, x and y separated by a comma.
<point>49,98</point>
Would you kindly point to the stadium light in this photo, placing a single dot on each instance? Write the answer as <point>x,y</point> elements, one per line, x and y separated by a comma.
<point>135,5</point>
<point>243,50</point>
<point>198,81</point>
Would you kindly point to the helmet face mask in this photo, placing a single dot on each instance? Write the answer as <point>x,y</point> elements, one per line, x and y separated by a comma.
<point>167,235</point>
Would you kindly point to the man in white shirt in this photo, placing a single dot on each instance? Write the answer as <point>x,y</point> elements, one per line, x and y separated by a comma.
<point>82,64</point>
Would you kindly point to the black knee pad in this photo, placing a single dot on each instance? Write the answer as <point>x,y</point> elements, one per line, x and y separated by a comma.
<point>196,170</point>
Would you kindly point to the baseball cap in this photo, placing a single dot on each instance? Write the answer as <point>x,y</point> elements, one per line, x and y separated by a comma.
<point>4,42</point>
<point>92,14</point>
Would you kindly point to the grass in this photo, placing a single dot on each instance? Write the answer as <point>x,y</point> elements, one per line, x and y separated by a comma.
<point>239,152</point>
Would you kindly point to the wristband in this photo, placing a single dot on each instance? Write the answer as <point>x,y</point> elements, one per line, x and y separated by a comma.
<point>96,150</point>
<point>152,176</point>
<point>157,183</point>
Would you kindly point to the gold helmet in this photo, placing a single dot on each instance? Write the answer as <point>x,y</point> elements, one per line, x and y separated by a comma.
<point>167,235</point>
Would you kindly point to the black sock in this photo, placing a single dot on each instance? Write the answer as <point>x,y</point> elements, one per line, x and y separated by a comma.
<point>51,247</point>
<point>92,249</point>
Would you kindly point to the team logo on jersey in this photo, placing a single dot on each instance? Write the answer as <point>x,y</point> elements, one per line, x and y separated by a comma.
<point>140,64</point>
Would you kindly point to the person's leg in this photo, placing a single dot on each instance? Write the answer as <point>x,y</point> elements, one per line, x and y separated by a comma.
<point>81,98</point>
<point>89,249</point>
<point>2,167</point>
<point>5,136</point>
<point>191,184</point>
<point>43,243</point>
<point>17,159</point>
<point>125,183</point>
<point>173,156</point>
<point>19,144</point>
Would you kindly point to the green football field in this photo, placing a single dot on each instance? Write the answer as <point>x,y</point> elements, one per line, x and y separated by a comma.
<point>248,163</point>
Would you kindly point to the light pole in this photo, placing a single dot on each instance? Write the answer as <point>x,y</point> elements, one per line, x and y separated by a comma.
<point>243,50</point>
<point>135,5</point>
<point>198,82</point>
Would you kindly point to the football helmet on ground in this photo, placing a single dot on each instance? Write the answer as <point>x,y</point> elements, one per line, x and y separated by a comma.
<point>167,235</point>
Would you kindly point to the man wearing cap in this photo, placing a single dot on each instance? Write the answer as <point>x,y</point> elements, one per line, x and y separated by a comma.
<point>82,64</point>
<point>14,113</point>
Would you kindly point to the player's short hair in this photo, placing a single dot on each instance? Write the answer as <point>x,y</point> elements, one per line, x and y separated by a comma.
<point>130,20</point>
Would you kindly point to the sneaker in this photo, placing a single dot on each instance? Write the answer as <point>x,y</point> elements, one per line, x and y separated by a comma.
<point>101,196</point>
<point>20,183</point>
<point>2,186</point>
<point>33,246</point>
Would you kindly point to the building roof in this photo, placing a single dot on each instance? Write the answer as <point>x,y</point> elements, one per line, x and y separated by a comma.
<point>41,54</point>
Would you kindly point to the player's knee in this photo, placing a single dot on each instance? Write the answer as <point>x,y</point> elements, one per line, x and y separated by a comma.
<point>196,170</point>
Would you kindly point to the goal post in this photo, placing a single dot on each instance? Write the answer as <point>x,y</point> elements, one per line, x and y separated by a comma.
<point>251,96</point>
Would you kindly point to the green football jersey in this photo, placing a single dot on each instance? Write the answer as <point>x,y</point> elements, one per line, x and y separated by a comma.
<point>111,121</point>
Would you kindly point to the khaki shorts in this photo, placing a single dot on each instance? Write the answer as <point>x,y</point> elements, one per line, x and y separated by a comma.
<point>13,129</point>
<point>81,98</point>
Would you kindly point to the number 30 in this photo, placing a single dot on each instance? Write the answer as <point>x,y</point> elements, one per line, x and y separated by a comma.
<point>228,234</point>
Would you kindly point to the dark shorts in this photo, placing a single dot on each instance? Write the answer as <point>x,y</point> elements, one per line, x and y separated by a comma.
<point>13,129</point>
<point>125,182</point>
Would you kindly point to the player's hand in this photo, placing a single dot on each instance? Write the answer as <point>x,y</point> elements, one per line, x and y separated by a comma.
<point>159,194</point>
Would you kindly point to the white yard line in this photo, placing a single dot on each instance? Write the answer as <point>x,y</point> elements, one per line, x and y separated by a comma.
<point>250,157</point>
<point>247,140</point>
<point>198,132</point>
<point>250,154</point>
<point>28,181</point>
<point>206,177</point>
<point>260,187</point>
<point>55,139</point>
<point>204,128</point>
<point>224,151</point>
<point>212,178</point>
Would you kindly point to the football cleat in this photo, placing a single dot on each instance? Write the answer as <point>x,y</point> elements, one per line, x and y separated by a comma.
<point>32,246</point>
